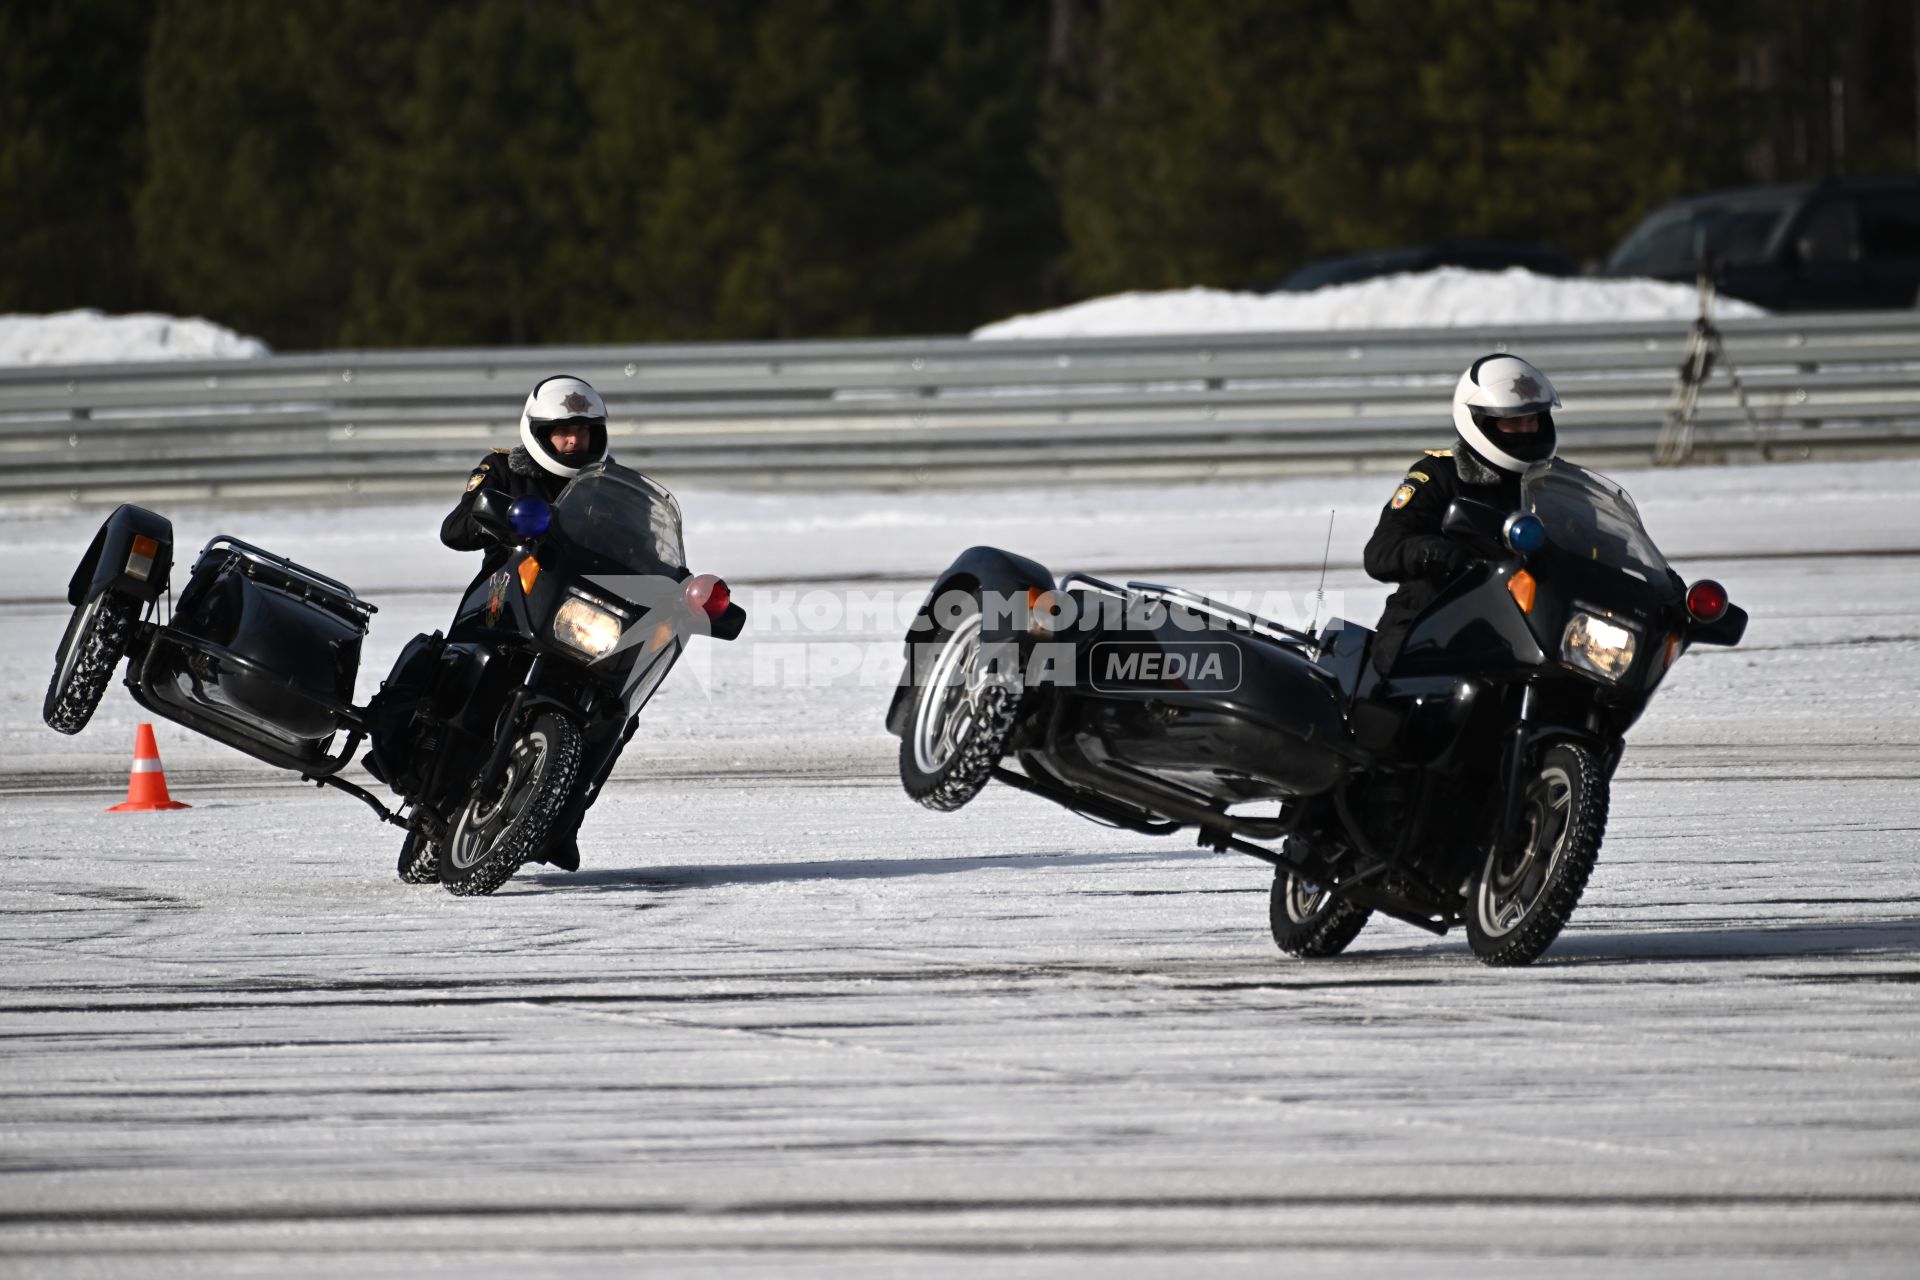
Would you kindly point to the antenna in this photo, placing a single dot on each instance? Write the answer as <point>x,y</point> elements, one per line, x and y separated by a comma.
<point>1320,592</point>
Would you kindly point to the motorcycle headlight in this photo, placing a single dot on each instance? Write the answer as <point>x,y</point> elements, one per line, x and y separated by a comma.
<point>586,627</point>
<point>1596,645</point>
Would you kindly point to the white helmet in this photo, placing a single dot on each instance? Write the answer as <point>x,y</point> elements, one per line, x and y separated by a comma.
<point>1500,386</point>
<point>563,399</point>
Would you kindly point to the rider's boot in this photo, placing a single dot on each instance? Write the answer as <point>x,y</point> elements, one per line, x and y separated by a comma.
<point>562,848</point>
<point>562,852</point>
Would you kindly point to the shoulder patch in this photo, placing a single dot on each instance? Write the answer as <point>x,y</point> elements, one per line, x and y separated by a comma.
<point>503,451</point>
<point>1439,453</point>
<point>1421,476</point>
<point>1402,496</point>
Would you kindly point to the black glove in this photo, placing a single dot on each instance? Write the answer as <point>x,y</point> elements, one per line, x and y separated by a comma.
<point>1441,558</point>
<point>489,510</point>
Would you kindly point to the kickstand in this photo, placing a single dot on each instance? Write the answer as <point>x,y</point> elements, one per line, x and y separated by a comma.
<point>358,793</point>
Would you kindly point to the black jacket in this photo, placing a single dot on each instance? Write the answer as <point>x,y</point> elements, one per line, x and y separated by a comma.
<point>1407,546</point>
<point>509,471</point>
<point>515,473</point>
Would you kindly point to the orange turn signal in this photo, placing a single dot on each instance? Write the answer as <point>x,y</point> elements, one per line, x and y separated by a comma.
<point>1521,587</point>
<point>529,573</point>
<point>1042,607</point>
<point>1673,649</point>
<point>140,557</point>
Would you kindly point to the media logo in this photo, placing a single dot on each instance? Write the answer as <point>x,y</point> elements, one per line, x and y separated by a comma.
<point>1160,666</point>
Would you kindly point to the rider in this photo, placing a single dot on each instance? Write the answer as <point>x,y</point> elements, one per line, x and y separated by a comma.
<point>563,428</point>
<point>1502,412</point>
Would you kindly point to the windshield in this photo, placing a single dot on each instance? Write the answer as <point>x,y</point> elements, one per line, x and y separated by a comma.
<point>1589,516</point>
<point>621,515</point>
<point>1730,231</point>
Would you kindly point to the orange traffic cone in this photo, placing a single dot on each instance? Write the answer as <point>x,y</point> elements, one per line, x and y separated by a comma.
<point>147,786</point>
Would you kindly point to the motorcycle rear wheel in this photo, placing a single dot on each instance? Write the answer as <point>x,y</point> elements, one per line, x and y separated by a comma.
<point>419,858</point>
<point>96,639</point>
<point>1522,897</point>
<point>504,825</point>
<point>1309,922</point>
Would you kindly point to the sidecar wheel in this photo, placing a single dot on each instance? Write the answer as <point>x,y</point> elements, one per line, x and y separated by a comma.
<point>963,715</point>
<point>1522,898</point>
<point>1308,921</point>
<point>96,639</point>
<point>501,828</point>
<point>419,858</point>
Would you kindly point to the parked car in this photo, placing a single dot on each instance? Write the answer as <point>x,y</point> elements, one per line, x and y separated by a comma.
<point>1480,255</point>
<point>1842,244</point>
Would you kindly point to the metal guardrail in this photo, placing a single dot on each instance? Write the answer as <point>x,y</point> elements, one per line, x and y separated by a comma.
<point>941,410</point>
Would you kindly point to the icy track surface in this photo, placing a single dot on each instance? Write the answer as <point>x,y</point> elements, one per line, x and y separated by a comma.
<point>786,1022</point>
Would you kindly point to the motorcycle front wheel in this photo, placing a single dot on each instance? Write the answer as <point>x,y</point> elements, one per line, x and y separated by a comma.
<point>1524,894</point>
<point>506,822</point>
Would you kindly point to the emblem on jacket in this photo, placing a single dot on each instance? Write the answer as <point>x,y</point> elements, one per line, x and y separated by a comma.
<point>1402,496</point>
<point>497,596</point>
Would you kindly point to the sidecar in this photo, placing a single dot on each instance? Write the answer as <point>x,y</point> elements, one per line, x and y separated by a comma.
<point>1175,688</point>
<point>1141,705</point>
<point>259,653</point>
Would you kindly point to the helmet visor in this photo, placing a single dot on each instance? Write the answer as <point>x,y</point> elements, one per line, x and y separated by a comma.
<point>1488,416</point>
<point>1523,432</point>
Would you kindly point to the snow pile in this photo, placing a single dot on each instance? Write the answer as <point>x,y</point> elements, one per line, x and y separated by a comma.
<point>89,337</point>
<point>1448,297</point>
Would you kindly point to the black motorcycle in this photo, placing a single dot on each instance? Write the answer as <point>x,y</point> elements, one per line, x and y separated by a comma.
<point>495,735</point>
<point>1469,788</point>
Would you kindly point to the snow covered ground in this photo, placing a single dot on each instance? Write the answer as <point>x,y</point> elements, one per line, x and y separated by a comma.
<point>88,337</point>
<point>785,1021</point>
<point>1443,298</point>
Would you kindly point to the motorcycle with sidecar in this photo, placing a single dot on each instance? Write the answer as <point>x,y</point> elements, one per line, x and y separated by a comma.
<point>494,735</point>
<point>1469,786</point>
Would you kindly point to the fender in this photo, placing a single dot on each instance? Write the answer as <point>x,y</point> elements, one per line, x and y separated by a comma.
<point>1529,740</point>
<point>111,562</point>
<point>511,715</point>
<point>519,709</point>
<point>533,701</point>
<point>983,569</point>
<point>1600,744</point>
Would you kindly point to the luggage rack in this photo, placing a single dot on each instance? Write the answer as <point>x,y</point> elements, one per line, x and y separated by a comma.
<point>1194,601</point>
<point>284,573</point>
